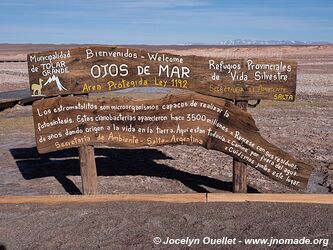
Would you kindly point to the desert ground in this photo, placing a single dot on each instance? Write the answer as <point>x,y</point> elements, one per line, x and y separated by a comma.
<point>303,128</point>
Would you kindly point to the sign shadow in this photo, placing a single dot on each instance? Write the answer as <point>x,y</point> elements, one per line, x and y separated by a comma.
<point>110,162</point>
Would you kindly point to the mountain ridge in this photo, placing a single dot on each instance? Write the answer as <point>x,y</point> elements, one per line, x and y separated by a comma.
<point>263,42</point>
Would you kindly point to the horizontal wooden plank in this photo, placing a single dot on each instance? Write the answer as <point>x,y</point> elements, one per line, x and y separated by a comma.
<point>56,199</point>
<point>186,119</point>
<point>286,198</point>
<point>109,68</point>
<point>172,198</point>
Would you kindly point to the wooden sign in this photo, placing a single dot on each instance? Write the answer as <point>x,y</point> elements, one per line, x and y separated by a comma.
<point>191,119</point>
<point>99,69</point>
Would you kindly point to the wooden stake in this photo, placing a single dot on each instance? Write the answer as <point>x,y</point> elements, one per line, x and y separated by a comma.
<point>239,177</point>
<point>88,169</point>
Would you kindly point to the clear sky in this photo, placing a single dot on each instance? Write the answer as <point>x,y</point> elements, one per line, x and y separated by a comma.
<point>164,21</point>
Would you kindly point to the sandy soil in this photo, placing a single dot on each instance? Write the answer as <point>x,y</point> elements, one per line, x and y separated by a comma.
<point>303,128</point>
<point>133,225</point>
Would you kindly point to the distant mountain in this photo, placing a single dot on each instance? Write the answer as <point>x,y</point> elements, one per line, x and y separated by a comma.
<point>268,42</point>
<point>261,42</point>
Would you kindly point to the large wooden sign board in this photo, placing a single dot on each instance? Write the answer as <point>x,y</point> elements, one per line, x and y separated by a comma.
<point>191,119</point>
<point>105,68</point>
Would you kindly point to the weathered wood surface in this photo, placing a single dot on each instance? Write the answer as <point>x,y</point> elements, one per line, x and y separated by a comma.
<point>239,171</point>
<point>88,169</point>
<point>191,119</point>
<point>101,69</point>
<point>172,198</point>
<point>59,199</point>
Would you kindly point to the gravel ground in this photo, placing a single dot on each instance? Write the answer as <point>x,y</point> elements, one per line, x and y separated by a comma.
<point>134,225</point>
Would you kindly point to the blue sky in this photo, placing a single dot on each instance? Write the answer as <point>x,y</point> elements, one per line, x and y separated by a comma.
<point>164,21</point>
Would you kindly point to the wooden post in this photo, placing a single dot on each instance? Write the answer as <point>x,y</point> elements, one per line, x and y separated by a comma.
<point>239,177</point>
<point>88,169</point>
